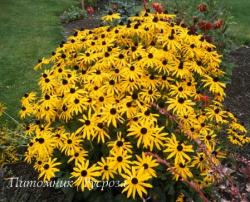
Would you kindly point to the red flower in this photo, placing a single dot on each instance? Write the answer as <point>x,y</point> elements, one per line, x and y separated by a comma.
<point>208,26</point>
<point>202,7</point>
<point>202,24</point>
<point>218,23</point>
<point>90,10</point>
<point>203,98</point>
<point>157,7</point>
<point>205,26</point>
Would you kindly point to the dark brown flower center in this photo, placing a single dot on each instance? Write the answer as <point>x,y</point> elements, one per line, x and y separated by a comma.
<point>84,173</point>
<point>41,140</point>
<point>179,147</point>
<point>112,82</point>
<point>144,131</point>
<point>145,165</point>
<point>87,122</point>
<point>119,158</point>
<point>101,99</point>
<point>180,89</point>
<point>134,180</point>
<point>46,166</point>
<point>181,100</point>
<point>119,143</point>
<point>182,165</point>
<point>216,110</point>
<point>76,101</point>
<point>113,111</point>
<point>150,55</point>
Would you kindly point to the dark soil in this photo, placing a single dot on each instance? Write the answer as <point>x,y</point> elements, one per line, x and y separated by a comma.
<point>11,193</point>
<point>238,93</point>
<point>87,23</point>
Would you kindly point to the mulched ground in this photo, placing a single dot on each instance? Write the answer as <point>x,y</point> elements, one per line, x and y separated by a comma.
<point>238,101</point>
<point>11,193</point>
<point>87,23</point>
<point>238,93</point>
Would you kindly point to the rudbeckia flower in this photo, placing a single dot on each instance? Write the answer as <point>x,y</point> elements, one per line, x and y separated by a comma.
<point>135,182</point>
<point>178,150</point>
<point>48,169</point>
<point>85,175</point>
<point>111,16</point>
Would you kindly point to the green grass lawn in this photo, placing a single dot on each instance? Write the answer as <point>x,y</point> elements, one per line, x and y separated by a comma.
<point>29,29</point>
<point>240,11</point>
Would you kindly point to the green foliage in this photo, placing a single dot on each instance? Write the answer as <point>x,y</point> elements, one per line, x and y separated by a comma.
<point>12,144</point>
<point>90,2</point>
<point>72,14</point>
<point>125,7</point>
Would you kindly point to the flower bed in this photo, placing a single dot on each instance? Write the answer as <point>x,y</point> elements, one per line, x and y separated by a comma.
<point>124,102</point>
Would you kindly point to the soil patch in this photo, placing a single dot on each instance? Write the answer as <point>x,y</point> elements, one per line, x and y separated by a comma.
<point>238,92</point>
<point>87,23</point>
<point>10,193</point>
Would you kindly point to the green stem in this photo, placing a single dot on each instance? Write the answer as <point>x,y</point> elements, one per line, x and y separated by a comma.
<point>14,120</point>
<point>82,2</point>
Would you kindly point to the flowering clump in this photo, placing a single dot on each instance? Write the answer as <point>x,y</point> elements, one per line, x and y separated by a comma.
<point>10,141</point>
<point>117,101</point>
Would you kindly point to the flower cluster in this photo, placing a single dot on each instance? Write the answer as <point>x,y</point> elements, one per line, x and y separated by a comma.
<point>111,96</point>
<point>10,141</point>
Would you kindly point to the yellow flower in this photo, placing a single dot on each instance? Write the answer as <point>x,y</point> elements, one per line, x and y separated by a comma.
<point>105,169</point>
<point>180,91</point>
<point>208,138</point>
<point>135,183</point>
<point>215,113</point>
<point>180,198</point>
<point>215,86</point>
<point>89,128</point>
<point>147,134</point>
<point>120,161</point>
<point>48,169</point>
<point>78,156</point>
<point>146,164</point>
<point>111,16</point>
<point>120,144</point>
<point>178,150</point>
<point>180,106</point>
<point>28,98</point>
<point>112,114</point>
<point>200,161</point>
<point>43,144</point>
<point>215,153</point>
<point>71,144</point>
<point>181,170</point>
<point>85,176</point>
